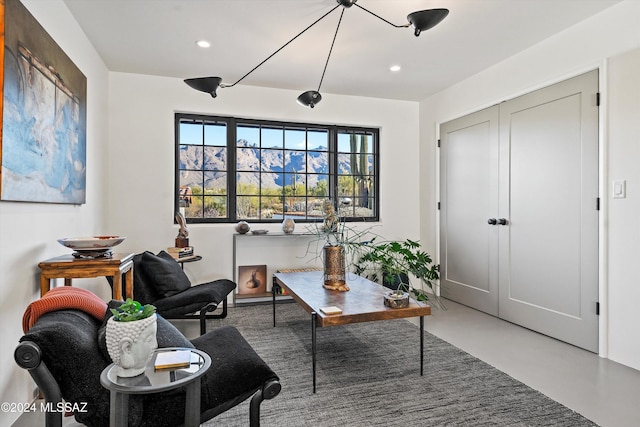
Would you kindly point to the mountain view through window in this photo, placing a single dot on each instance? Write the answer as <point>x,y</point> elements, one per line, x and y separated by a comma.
<point>232,169</point>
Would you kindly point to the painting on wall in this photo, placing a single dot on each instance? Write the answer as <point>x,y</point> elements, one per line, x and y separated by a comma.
<point>43,137</point>
<point>252,279</point>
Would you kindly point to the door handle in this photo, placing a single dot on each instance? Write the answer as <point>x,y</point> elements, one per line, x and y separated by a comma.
<point>502,221</point>
<point>492,221</point>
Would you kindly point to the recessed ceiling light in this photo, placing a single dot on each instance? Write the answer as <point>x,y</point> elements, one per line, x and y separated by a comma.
<point>203,43</point>
<point>395,68</point>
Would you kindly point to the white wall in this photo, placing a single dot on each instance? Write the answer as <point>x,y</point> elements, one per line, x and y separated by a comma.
<point>142,155</point>
<point>583,47</point>
<point>624,214</point>
<point>28,231</point>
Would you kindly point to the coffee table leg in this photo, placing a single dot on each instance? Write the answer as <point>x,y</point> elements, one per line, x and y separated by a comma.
<point>313,347</point>
<point>421,345</point>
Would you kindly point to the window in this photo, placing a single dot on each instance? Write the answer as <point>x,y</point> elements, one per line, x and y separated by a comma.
<point>231,169</point>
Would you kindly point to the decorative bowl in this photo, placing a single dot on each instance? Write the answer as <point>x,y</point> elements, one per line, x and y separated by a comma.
<point>259,231</point>
<point>94,243</point>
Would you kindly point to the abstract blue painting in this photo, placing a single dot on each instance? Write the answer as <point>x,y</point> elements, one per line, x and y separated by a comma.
<point>44,116</point>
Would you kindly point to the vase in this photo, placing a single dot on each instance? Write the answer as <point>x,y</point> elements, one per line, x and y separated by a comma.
<point>288,225</point>
<point>131,344</point>
<point>243,227</point>
<point>334,270</point>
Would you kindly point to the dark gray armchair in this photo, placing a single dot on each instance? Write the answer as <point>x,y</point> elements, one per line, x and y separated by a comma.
<point>159,280</point>
<point>65,352</point>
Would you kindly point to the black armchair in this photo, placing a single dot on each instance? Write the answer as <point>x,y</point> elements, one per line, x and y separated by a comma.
<point>159,280</point>
<point>65,352</point>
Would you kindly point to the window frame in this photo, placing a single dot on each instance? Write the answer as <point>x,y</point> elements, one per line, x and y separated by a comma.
<point>232,124</point>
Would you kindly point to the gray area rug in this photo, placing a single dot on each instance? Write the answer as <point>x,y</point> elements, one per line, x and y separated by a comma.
<point>368,374</point>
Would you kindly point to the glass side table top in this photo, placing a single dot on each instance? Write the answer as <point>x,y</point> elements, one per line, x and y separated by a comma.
<point>152,380</point>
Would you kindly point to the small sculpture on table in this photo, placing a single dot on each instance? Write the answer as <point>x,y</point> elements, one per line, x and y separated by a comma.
<point>182,241</point>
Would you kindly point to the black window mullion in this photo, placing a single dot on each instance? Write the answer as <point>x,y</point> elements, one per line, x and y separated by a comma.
<point>231,169</point>
<point>264,200</point>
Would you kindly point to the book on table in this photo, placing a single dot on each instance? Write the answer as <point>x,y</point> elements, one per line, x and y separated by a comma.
<point>175,359</point>
<point>331,310</point>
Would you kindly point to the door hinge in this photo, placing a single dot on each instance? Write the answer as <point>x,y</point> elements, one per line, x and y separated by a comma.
<point>438,205</point>
<point>438,143</point>
<point>597,309</point>
<point>597,99</point>
<point>597,203</point>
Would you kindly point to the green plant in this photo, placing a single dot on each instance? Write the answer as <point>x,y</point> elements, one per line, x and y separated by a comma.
<point>333,231</point>
<point>132,310</point>
<point>392,262</point>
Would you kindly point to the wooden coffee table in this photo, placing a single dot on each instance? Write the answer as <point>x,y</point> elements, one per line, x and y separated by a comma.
<point>363,303</point>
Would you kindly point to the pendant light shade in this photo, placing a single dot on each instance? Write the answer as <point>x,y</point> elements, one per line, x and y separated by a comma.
<point>205,84</point>
<point>424,20</point>
<point>421,21</point>
<point>310,98</point>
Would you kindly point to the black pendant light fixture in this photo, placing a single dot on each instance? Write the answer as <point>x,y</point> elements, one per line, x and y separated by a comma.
<point>421,21</point>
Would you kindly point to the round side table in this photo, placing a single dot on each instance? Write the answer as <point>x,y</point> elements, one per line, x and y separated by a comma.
<point>154,381</point>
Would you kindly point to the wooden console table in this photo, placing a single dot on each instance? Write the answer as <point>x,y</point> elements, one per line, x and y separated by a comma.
<point>69,267</point>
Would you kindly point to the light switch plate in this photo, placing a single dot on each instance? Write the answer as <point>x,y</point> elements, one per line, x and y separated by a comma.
<point>619,189</point>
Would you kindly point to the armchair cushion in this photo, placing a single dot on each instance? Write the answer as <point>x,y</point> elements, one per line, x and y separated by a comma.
<point>165,273</point>
<point>236,369</point>
<point>195,298</point>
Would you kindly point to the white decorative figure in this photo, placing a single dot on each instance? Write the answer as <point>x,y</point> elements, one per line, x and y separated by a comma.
<point>131,344</point>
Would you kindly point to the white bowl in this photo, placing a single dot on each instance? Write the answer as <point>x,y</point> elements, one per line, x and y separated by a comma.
<point>94,243</point>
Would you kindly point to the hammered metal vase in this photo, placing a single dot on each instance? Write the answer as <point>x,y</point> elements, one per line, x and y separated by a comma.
<point>334,270</point>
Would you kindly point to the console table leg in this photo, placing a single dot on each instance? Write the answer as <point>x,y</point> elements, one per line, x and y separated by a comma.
<point>273,298</point>
<point>313,347</point>
<point>421,345</point>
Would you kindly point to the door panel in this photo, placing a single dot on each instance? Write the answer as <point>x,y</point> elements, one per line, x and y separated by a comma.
<point>469,197</point>
<point>549,250</point>
<point>532,161</point>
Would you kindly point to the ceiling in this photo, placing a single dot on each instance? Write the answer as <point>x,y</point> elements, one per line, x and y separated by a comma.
<point>157,37</point>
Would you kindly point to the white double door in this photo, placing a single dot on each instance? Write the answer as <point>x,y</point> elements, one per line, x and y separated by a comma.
<point>519,210</point>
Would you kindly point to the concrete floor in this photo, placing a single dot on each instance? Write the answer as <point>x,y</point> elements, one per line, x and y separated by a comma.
<point>603,391</point>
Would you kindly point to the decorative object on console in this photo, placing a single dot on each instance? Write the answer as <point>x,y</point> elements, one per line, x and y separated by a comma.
<point>92,247</point>
<point>288,225</point>
<point>421,21</point>
<point>243,227</point>
<point>182,240</point>
<point>252,279</point>
<point>131,337</point>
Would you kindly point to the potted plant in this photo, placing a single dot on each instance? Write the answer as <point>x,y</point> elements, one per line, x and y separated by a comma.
<point>131,337</point>
<point>392,263</point>
<point>339,244</point>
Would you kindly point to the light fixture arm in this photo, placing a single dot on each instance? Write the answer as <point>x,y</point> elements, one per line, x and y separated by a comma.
<point>331,50</point>
<point>285,45</point>
<point>381,18</point>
